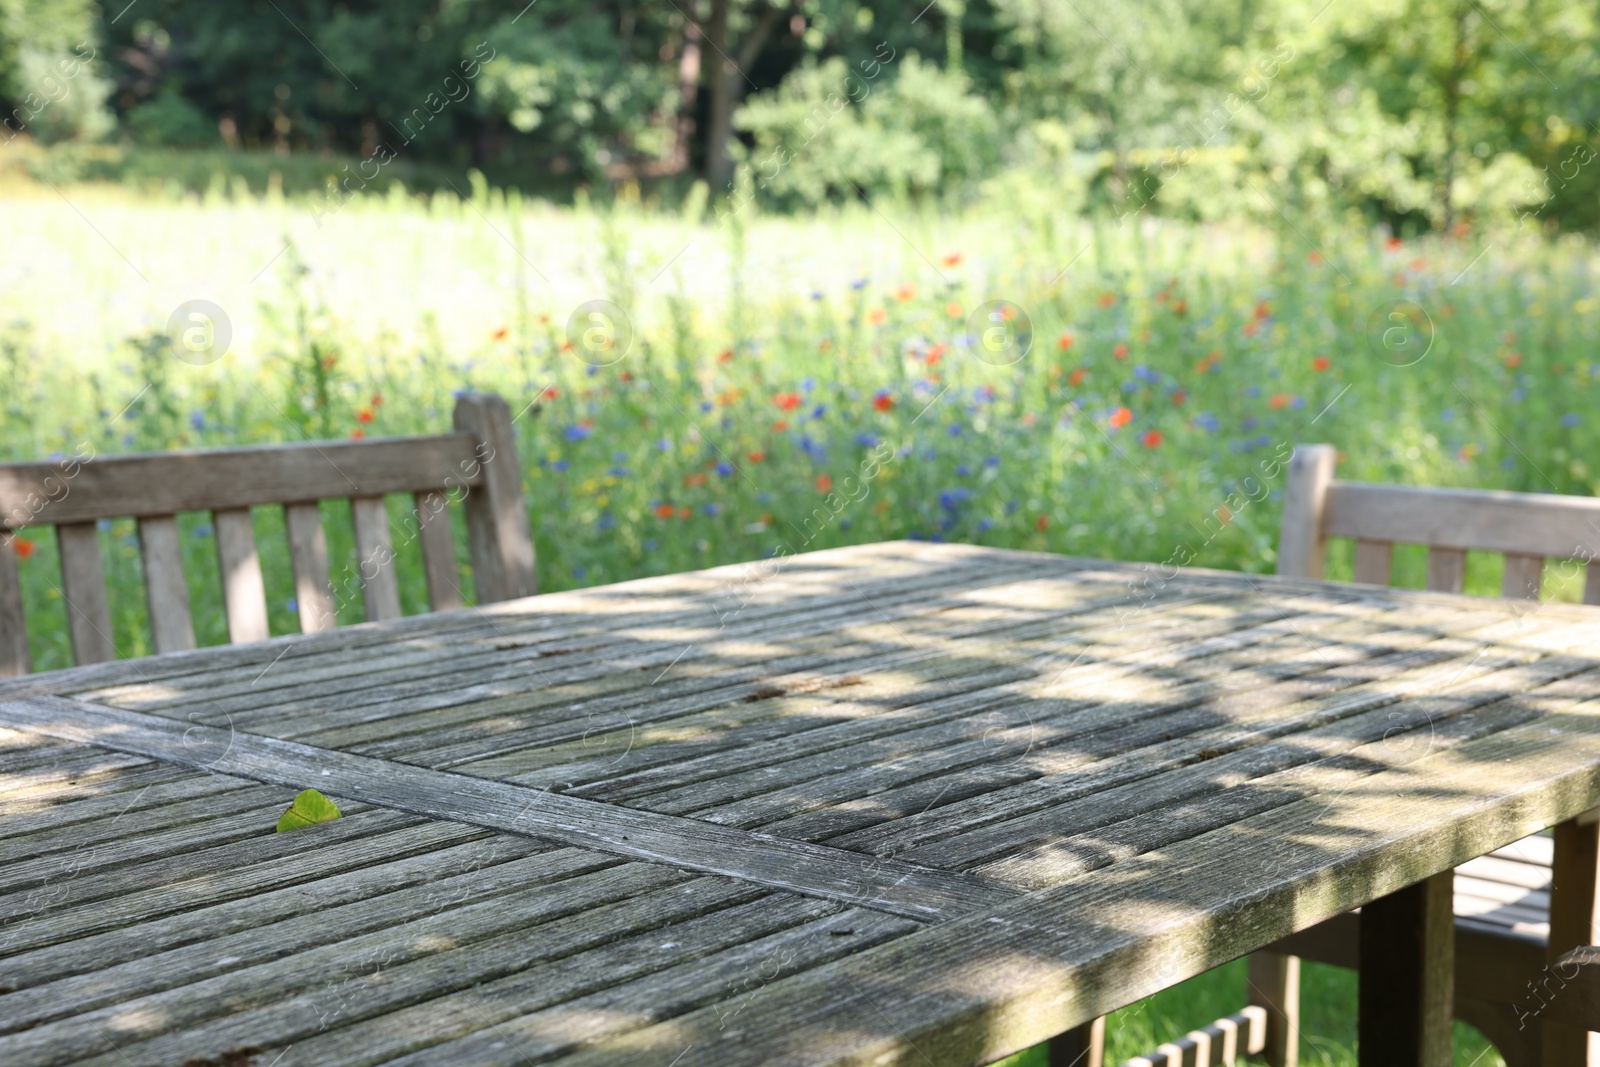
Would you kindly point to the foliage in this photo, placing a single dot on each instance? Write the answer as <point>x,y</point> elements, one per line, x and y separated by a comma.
<point>1422,114</point>
<point>309,808</point>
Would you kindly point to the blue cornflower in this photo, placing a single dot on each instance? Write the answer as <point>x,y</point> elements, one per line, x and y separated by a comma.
<point>1253,391</point>
<point>1570,420</point>
<point>991,461</point>
<point>1144,373</point>
<point>866,440</point>
<point>618,472</point>
<point>577,433</point>
<point>712,508</point>
<point>819,411</point>
<point>984,525</point>
<point>197,419</point>
<point>963,470</point>
<point>606,521</point>
<point>1448,415</point>
<point>859,283</point>
<point>954,429</point>
<point>559,465</point>
<point>724,469</point>
<point>202,530</point>
<point>665,444</point>
<point>580,572</point>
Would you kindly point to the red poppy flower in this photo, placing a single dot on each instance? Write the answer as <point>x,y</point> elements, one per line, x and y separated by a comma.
<point>756,457</point>
<point>1262,311</point>
<point>1151,439</point>
<point>725,355</point>
<point>357,434</point>
<point>1179,307</point>
<point>500,334</point>
<point>1064,342</point>
<point>664,511</point>
<point>550,392</point>
<point>780,426</point>
<point>883,401</point>
<point>1041,522</point>
<point>824,483</point>
<point>364,415</point>
<point>694,480</point>
<point>1107,299</point>
<point>1077,376</point>
<point>905,292</point>
<point>1278,400</point>
<point>1513,360</point>
<point>1120,418</point>
<point>1314,258</point>
<point>685,512</point>
<point>377,399</point>
<point>1179,397</point>
<point>787,401</point>
<point>1393,243</point>
<point>934,354</point>
<point>1321,363</point>
<point>1120,351</point>
<point>22,548</point>
<point>952,259</point>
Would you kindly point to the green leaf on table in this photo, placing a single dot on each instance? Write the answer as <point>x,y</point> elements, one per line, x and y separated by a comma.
<point>309,808</point>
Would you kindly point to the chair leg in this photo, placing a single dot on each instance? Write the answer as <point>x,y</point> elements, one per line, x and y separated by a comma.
<point>1275,986</point>
<point>1574,904</point>
<point>1082,1046</point>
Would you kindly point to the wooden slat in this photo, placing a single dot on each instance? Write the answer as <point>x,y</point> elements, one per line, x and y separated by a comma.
<point>1228,1039</point>
<point>497,517</point>
<point>170,482</point>
<point>83,582</point>
<point>1574,924</point>
<point>1274,980</point>
<point>166,591</point>
<point>1447,568</point>
<point>380,591</point>
<point>1522,576</point>
<point>1373,559</point>
<point>1406,991</point>
<point>244,596</point>
<point>14,658</point>
<point>438,550</point>
<point>1302,544</point>
<point>1565,527</point>
<point>883,884</point>
<point>308,554</point>
<point>1591,582</point>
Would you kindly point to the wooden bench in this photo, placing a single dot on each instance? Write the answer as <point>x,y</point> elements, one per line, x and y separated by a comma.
<point>1503,901</point>
<point>477,463</point>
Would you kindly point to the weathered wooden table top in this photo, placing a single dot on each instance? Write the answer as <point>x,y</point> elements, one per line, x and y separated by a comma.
<point>896,803</point>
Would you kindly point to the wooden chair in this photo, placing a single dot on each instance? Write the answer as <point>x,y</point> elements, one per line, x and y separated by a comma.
<point>1512,917</point>
<point>478,462</point>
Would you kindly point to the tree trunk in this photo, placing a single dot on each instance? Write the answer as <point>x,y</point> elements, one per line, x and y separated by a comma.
<point>721,74</point>
<point>1452,110</point>
<point>688,89</point>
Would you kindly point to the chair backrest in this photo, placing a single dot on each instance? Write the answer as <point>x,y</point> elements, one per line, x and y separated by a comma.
<point>1525,527</point>
<point>477,463</point>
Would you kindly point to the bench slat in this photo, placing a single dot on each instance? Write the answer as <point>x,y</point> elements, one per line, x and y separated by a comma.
<point>1373,559</point>
<point>308,555</point>
<point>83,580</point>
<point>1565,527</point>
<point>167,483</point>
<point>166,591</point>
<point>14,658</point>
<point>375,558</point>
<point>1522,576</point>
<point>244,597</point>
<point>1591,582</point>
<point>1447,568</point>
<point>438,550</point>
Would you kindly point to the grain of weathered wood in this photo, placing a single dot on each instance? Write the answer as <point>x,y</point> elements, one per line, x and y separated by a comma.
<point>497,530</point>
<point>380,591</point>
<point>308,556</point>
<point>1302,547</point>
<point>244,596</point>
<point>889,885</point>
<point>1407,976</point>
<point>14,659</point>
<point>170,482</point>
<point>438,544</point>
<point>1447,568</point>
<point>166,591</point>
<point>1577,1000</point>
<point>83,587</point>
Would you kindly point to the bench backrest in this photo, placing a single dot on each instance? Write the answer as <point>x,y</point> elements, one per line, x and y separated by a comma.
<point>1524,527</point>
<point>477,463</point>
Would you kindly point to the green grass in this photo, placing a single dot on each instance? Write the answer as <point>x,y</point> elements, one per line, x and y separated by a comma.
<point>1328,1023</point>
<point>1170,371</point>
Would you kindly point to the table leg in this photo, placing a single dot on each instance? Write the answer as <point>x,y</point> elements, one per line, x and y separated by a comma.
<point>1407,976</point>
<point>1082,1046</point>
<point>1573,873</point>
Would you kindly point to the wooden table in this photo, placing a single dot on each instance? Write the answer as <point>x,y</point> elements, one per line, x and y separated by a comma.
<point>902,803</point>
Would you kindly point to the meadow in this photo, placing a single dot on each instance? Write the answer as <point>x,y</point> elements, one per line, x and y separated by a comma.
<point>1125,390</point>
